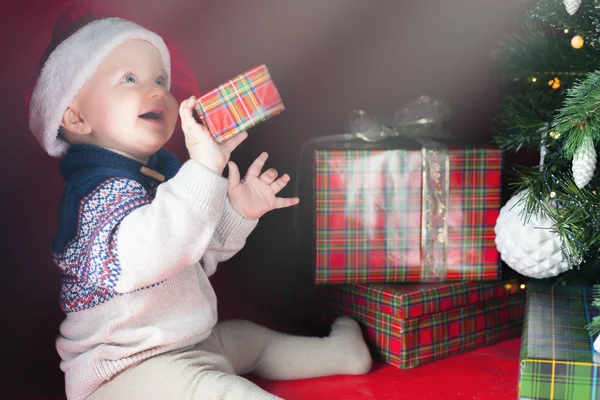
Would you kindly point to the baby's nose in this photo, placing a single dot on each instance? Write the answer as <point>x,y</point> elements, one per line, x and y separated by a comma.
<point>156,91</point>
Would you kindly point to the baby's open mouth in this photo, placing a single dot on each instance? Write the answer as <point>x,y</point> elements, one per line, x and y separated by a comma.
<point>156,115</point>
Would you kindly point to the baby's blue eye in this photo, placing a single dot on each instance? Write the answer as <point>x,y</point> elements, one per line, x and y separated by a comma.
<point>129,78</point>
<point>161,81</point>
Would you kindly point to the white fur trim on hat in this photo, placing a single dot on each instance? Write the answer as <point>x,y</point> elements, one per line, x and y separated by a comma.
<point>70,65</point>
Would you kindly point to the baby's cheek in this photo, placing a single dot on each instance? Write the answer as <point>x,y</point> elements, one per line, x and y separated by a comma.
<point>172,114</point>
<point>172,106</point>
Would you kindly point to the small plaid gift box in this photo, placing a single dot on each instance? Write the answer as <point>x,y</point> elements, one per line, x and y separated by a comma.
<point>407,325</point>
<point>239,104</point>
<point>558,360</point>
<point>394,214</point>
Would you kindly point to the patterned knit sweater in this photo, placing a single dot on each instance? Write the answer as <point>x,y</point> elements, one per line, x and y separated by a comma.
<point>135,256</point>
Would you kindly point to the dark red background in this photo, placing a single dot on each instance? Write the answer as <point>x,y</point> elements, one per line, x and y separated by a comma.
<point>326,57</point>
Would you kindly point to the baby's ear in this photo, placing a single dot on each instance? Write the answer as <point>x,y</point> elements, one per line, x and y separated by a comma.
<point>74,122</point>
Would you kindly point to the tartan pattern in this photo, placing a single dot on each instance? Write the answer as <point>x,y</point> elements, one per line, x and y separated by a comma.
<point>557,356</point>
<point>406,343</point>
<point>239,104</point>
<point>368,215</point>
<point>409,301</point>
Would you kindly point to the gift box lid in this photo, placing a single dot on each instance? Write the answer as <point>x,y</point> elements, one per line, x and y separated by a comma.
<point>407,301</point>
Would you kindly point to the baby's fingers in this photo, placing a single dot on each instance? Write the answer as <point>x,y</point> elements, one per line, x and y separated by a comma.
<point>280,183</point>
<point>186,110</point>
<point>233,178</point>
<point>283,202</point>
<point>258,164</point>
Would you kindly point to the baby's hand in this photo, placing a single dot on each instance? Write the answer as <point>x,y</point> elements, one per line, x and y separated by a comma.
<point>255,195</point>
<point>200,144</point>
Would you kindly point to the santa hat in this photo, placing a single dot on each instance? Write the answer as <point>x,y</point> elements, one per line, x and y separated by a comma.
<point>81,39</point>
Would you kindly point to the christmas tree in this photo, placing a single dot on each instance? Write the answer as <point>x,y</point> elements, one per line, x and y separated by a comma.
<point>551,66</point>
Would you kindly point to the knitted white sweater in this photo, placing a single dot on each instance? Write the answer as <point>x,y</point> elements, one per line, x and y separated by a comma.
<point>149,291</point>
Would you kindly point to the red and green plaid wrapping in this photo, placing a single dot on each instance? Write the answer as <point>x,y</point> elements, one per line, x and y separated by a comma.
<point>558,361</point>
<point>368,215</point>
<point>413,300</point>
<point>406,342</point>
<point>239,104</point>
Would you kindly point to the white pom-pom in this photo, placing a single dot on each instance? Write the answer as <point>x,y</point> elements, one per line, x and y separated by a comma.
<point>533,249</point>
<point>572,6</point>
<point>584,162</point>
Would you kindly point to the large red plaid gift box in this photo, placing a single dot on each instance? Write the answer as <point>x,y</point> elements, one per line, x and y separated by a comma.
<point>239,103</point>
<point>395,212</point>
<point>407,325</point>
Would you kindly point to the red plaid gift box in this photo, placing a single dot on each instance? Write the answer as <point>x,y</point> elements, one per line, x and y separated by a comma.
<point>239,104</point>
<point>406,215</point>
<point>412,324</point>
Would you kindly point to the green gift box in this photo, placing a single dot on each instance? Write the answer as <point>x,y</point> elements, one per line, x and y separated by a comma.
<point>558,361</point>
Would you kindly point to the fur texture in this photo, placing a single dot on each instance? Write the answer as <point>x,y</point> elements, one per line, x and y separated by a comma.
<point>71,65</point>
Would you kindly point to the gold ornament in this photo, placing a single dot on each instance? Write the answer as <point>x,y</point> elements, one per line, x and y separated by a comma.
<point>554,83</point>
<point>577,42</point>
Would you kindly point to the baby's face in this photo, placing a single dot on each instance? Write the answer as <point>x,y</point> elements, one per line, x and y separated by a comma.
<point>126,102</point>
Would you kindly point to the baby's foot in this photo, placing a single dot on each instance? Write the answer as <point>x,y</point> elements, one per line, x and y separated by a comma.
<point>349,339</point>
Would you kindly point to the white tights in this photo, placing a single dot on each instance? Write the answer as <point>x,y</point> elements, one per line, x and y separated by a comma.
<point>210,370</point>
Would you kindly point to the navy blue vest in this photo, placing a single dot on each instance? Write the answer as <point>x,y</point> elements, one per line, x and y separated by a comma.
<point>85,167</point>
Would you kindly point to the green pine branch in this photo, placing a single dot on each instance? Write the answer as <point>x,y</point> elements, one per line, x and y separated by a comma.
<point>560,118</point>
<point>524,119</point>
<point>579,117</point>
<point>585,22</point>
<point>533,51</point>
<point>594,326</point>
<point>532,59</point>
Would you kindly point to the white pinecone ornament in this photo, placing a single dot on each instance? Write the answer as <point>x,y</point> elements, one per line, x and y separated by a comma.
<point>572,6</point>
<point>532,249</point>
<point>584,162</point>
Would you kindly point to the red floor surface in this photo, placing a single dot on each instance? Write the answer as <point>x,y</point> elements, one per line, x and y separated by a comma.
<point>489,373</point>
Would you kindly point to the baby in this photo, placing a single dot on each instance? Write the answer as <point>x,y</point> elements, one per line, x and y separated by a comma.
<point>139,234</point>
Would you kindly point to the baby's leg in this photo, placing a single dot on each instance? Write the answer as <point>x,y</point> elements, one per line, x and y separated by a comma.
<point>194,373</point>
<point>273,355</point>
